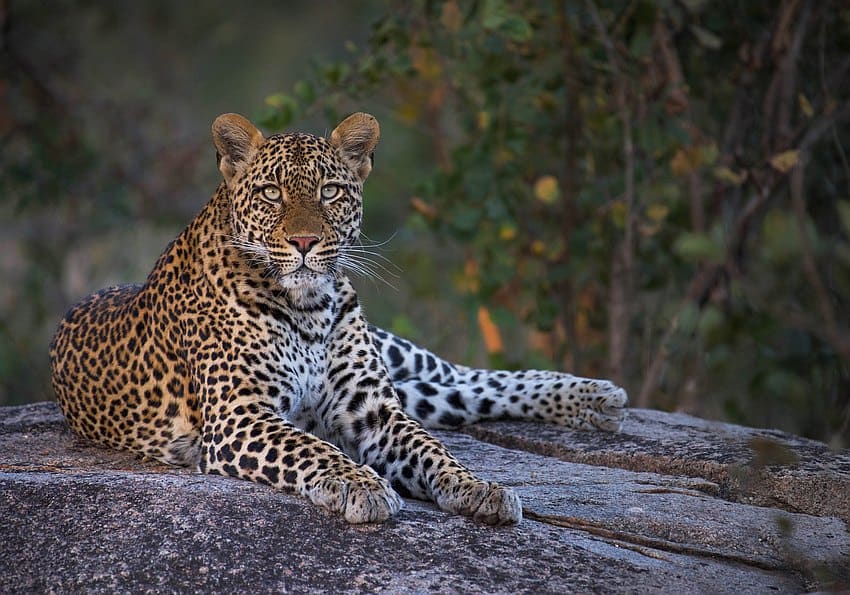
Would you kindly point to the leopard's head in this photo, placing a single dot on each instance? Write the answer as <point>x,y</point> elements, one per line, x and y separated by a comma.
<point>296,200</point>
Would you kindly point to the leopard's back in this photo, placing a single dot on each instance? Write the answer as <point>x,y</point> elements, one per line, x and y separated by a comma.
<point>80,361</point>
<point>113,381</point>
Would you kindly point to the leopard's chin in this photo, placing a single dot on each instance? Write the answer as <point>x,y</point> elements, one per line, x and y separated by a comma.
<point>305,286</point>
<point>303,276</point>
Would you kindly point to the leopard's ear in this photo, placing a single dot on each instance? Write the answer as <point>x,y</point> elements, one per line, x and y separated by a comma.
<point>236,141</point>
<point>356,138</point>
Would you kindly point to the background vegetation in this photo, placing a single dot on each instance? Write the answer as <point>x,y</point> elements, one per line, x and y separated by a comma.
<point>655,192</point>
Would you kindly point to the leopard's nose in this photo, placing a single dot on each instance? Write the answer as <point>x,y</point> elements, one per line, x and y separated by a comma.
<point>303,243</point>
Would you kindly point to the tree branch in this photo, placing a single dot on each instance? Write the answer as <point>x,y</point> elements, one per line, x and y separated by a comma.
<point>570,184</point>
<point>620,298</point>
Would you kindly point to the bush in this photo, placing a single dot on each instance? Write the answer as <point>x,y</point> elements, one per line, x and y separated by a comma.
<point>660,190</point>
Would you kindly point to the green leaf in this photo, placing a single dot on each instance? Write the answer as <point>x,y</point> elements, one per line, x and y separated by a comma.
<point>305,92</point>
<point>466,219</point>
<point>335,73</point>
<point>545,314</point>
<point>640,44</point>
<point>275,118</point>
<point>687,319</point>
<point>698,247</point>
<point>706,38</point>
<point>710,321</point>
<point>279,100</point>
<point>517,28</point>
<point>496,15</point>
<point>780,237</point>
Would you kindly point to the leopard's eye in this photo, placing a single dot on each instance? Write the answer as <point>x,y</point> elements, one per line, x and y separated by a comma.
<point>271,193</point>
<point>331,192</point>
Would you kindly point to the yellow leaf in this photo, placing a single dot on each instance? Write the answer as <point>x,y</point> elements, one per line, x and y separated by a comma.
<point>725,174</point>
<point>507,233</point>
<point>409,112</point>
<point>785,161</point>
<point>546,189</point>
<point>489,331</point>
<point>277,100</point>
<point>689,159</point>
<point>467,281</point>
<point>538,248</point>
<point>707,153</point>
<point>683,162</point>
<point>657,212</point>
<point>805,105</point>
<point>483,120</point>
<point>618,213</point>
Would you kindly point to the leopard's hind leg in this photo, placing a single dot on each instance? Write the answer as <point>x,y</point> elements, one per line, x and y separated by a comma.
<point>443,395</point>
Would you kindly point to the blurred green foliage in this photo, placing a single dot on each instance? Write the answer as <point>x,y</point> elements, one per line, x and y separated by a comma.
<point>652,191</point>
<point>657,192</point>
<point>105,154</point>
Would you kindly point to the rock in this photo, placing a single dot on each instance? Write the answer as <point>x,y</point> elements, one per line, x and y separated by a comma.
<point>762,467</point>
<point>74,517</point>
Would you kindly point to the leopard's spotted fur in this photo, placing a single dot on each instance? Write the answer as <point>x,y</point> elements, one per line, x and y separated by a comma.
<point>246,354</point>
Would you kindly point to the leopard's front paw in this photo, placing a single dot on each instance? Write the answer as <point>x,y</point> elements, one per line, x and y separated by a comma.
<point>361,496</point>
<point>485,502</point>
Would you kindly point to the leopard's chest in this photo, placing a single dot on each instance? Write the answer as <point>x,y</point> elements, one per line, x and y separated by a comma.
<point>300,360</point>
<point>307,365</point>
<point>289,343</point>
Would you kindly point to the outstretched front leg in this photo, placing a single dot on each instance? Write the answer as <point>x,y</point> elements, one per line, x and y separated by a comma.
<point>249,440</point>
<point>444,395</point>
<point>360,411</point>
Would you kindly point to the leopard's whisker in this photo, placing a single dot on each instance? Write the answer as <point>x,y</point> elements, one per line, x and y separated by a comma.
<point>363,268</point>
<point>373,244</point>
<point>366,260</point>
<point>373,256</point>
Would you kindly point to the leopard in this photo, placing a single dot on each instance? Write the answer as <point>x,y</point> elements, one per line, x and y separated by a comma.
<point>246,352</point>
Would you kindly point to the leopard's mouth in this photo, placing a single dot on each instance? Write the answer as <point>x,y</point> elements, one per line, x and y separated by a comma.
<point>311,269</point>
<point>292,270</point>
<point>302,273</point>
<point>284,264</point>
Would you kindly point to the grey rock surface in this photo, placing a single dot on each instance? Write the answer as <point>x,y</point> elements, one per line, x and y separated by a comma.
<point>764,467</point>
<point>77,518</point>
